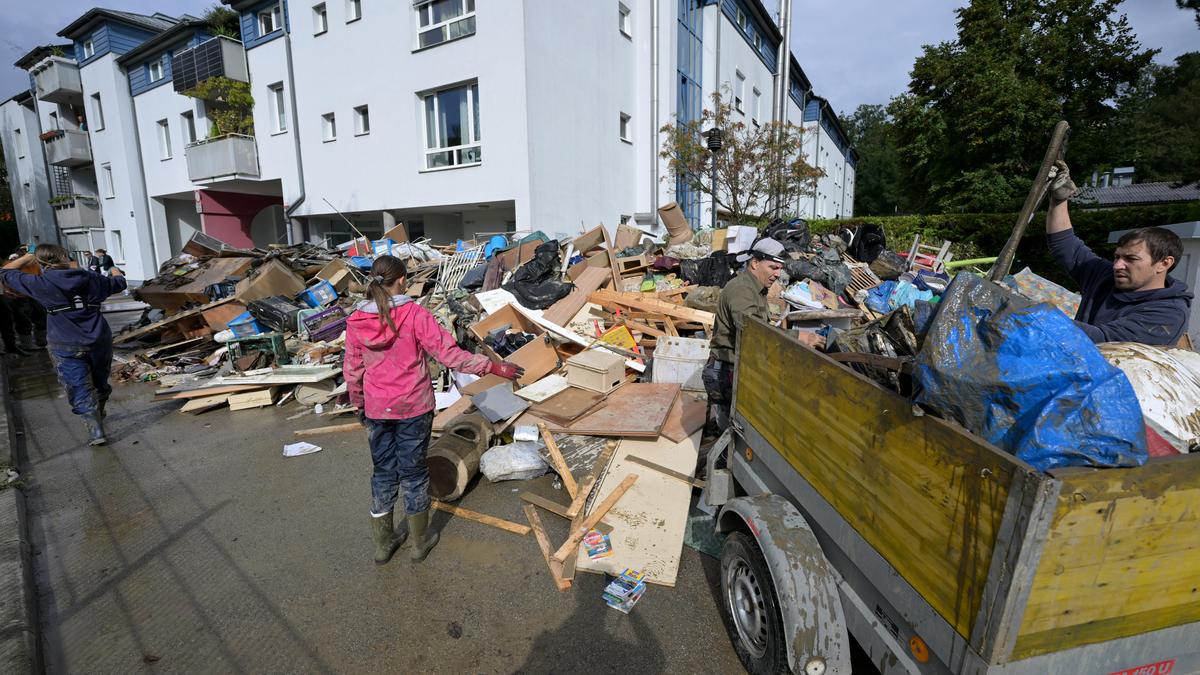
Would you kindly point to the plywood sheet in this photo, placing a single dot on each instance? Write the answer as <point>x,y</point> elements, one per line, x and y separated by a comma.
<point>637,409</point>
<point>687,416</point>
<point>649,521</point>
<point>543,389</point>
<point>568,405</point>
<point>587,283</point>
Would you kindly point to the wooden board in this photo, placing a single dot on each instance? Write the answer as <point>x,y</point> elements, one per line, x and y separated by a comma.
<point>593,517</point>
<point>455,409</point>
<point>252,399</point>
<point>543,541</point>
<point>590,281</point>
<point>687,416</point>
<point>206,392</point>
<point>636,301</point>
<point>1120,558</point>
<point>196,406</point>
<point>567,406</point>
<point>638,409</point>
<point>649,521</point>
<point>160,325</point>
<point>543,389</point>
<point>925,495</point>
<point>498,523</point>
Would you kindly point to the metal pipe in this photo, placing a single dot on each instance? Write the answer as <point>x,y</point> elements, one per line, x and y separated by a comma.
<point>653,144</point>
<point>782,82</point>
<point>291,73</point>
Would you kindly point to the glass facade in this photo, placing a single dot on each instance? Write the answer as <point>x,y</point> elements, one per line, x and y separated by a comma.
<point>690,101</point>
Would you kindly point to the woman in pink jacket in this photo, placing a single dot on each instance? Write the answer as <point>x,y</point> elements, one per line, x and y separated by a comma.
<point>388,338</point>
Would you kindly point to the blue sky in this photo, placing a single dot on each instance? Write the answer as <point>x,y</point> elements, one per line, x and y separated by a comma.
<point>854,51</point>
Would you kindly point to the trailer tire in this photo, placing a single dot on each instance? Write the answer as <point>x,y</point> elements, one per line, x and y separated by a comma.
<point>750,607</point>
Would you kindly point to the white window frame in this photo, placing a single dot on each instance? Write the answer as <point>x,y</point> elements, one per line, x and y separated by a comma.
<point>89,49</point>
<point>272,15</point>
<point>467,13</point>
<point>187,127</point>
<point>756,107</point>
<point>155,68</point>
<point>328,127</point>
<point>624,21</point>
<point>97,112</point>
<point>624,127</point>
<point>117,247</point>
<point>739,91</point>
<point>20,138</point>
<point>456,151</point>
<point>278,108</point>
<point>106,181</point>
<point>320,19</point>
<point>362,120</point>
<point>164,139</point>
<point>353,10</point>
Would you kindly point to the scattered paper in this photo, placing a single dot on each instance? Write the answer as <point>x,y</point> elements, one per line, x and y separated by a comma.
<point>445,399</point>
<point>301,448</point>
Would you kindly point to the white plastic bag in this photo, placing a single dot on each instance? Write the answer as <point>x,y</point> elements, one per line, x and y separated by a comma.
<point>521,460</point>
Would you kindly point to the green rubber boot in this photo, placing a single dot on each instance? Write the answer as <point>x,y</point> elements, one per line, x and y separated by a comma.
<point>421,543</point>
<point>386,539</point>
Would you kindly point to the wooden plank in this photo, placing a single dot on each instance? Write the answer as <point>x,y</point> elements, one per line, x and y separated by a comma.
<point>543,389</point>
<point>560,464</point>
<point>539,533</point>
<point>669,473</point>
<point>199,405</point>
<point>1119,558</point>
<point>594,517</point>
<point>455,409</point>
<point>609,298</point>
<point>548,504</point>
<point>207,391</point>
<point>500,523</point>
<point>687,416</point>
<point>568,405</point>
<point>637,410</point>
<point>650,521</point>
<point>252,399</point>
<point>924,494</point>
<point>590,281</point>
<point>159,325</point>
<point>599,468</point>
<point>331,429</point>
<point>581,496</point>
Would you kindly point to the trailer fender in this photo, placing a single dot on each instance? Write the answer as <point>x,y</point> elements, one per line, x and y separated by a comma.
<point>805,582</point>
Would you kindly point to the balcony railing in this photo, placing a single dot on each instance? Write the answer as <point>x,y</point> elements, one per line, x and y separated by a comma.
<point>56,80</point>
<point>216,57</point>
<point>68,147</point>
<point>77,213</point>
<point>231,156</point>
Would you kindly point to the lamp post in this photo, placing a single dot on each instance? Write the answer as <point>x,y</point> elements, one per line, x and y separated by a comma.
<point>716,140</point>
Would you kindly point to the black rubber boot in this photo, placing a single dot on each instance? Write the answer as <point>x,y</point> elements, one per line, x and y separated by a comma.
<point>100,408</point>
<point>95,430</point>
<point>421,542</point>
<point>386,539</point>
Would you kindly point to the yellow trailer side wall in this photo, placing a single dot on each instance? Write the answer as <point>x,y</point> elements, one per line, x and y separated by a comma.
<point>926,495</point>
<point>1122,557</point>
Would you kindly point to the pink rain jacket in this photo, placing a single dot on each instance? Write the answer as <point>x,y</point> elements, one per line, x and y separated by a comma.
<point>386,372</point>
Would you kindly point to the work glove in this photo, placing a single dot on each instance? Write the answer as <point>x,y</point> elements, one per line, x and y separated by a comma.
<point>509,371</point>
<point>1062,187</point>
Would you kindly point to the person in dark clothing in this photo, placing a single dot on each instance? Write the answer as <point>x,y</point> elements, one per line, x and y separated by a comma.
<point>1131,299</point>
<point>80,341</point>
<point>106,261</point>
<point>93,262</point>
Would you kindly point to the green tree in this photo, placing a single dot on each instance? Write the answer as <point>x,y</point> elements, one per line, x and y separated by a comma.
<point>975,120</point>
<point>1159,128</point>
<point>877,175</point>
<point>223,21</point>
<point>1190,4</point>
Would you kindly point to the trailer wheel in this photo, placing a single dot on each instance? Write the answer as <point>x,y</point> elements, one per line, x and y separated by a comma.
<point>750,607</point>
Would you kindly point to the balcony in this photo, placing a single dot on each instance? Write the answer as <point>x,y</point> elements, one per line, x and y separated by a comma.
<point>217,57</point>
<point>231,156</point>
<point>56,80</point>
<point>66,147</point>
<point>77,213</point>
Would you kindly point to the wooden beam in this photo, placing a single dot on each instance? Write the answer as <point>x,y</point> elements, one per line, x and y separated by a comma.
<point>539,533</point>
<point>199,405</point>
<point>594,517</point>
<point>598,469</point>
<point>331,429</point>
<point>548,504</point>
<point>560,464</point>
<point>211,391</point>
<point>670,473</point>
<point>581,497</point>
<point>653,305</point>
<point>643,328</point>
<point>506,525</point>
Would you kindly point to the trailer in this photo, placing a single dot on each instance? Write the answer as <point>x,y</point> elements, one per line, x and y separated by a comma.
<point>850,513</point>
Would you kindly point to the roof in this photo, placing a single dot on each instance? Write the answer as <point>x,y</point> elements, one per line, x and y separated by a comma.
<point>1188,230</point>
<point>35,55</point>
<point>175,33</point>
<point>155,23</point>
<point>1139,193</point>
<point>19,97</point>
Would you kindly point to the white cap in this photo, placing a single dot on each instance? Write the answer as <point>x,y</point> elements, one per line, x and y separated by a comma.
<point>765,248</point>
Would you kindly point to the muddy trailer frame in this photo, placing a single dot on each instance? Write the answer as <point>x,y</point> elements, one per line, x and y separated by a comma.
<point>849,513</point>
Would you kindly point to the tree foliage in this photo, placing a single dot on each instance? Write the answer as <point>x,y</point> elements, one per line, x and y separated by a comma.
<point>229,105</point>
<point>975,121</point>
<point>1192,5</point>
<point>756,162</point>
<point>1158,132</point>
<point>223,21</point>
<point>877,174</point>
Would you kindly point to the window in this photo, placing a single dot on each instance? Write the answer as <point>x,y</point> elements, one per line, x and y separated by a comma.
<point>756,107</point>
<point>739,91</point>
<point>20,143</point>
<point>625,128</point>
<point>97,113</point>
<point>54,121</point>
<point>27,196</point>
<point>269,20</point>
<point>187,125</point>
<point>116,247</point>
<point>353,10</point>
<point>156,70</point>
<point>362,121</point>
<point>440,21</point>
<point>623,21</point>
<point>106,181</point>
<point>278,107</point>
<point>164,140</point>
<point>89,49</point>
<point>320,19</point>
<point>328,127</point>
<point>452,127</point>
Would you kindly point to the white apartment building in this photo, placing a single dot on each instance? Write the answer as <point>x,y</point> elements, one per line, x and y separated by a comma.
<point>456,117</point>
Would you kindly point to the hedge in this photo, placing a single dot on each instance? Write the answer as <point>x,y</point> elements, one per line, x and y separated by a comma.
<point>982,235</point>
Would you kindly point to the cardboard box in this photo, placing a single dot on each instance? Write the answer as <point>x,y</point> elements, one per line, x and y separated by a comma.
<point>397,234</point>
<point>675,222</point>
<point>218,317</point>
<point>213,271</point>
<point>273,278</point>
<point>337,273</point>
<point>539,357</point>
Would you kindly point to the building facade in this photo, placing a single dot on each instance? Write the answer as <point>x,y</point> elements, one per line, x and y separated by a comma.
<point>456,117</point>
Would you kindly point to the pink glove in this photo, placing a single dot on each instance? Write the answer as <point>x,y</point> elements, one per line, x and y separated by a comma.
<point>509,371</point>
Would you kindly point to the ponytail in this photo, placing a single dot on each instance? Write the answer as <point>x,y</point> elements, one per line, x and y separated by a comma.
<point>385,272</point>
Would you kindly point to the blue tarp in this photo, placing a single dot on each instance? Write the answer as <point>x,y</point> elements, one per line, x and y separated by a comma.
<point>1027,379</point>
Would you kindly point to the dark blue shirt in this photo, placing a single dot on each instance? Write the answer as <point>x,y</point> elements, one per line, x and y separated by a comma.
<point>1154,317</point>
<point>54,289</point>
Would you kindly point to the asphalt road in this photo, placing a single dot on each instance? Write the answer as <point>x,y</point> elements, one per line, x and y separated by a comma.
<point>191,545</point>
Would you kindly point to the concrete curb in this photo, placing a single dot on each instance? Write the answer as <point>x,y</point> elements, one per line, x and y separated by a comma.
<point>18,602</point>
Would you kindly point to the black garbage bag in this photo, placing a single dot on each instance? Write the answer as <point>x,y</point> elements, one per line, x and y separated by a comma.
<point>868,242</point>
<point>473,279</point>
<point>888,266</point>
<point>535,284</point>
<point>715,270</point>
<point>793,234</point>
<point>826,269</point>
